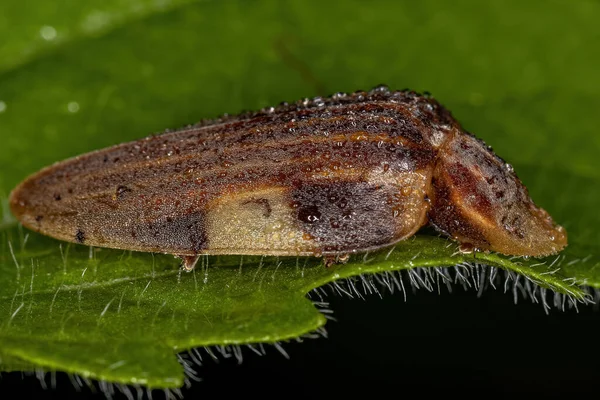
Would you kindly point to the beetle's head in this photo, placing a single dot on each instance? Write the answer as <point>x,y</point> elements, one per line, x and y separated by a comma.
<point>477,199</point>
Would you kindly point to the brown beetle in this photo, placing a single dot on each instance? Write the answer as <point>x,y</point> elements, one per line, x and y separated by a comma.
<point>323,177</point>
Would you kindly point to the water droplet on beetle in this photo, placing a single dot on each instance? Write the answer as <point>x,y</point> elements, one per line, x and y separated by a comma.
<point>309,214</point>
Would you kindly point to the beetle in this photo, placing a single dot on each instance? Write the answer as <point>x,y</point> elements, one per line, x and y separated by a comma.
<point>320,177</point>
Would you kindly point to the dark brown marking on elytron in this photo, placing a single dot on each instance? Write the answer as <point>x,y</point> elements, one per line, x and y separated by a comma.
<point>328,176</point>
<point>182,233</point>
<point>340,215</point>
<point>122,191</point>
<point>79,236</point>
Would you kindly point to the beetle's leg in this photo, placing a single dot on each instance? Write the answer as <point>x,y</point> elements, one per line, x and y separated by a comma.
<point>466,248</point>
<point>189,262</point>
<point>342,258</point>
<point>330,260</point>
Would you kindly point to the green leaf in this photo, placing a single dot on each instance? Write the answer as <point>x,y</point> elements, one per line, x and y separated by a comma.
<point>80,77</point>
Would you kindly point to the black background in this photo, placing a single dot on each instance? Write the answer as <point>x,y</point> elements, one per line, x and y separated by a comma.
<point>433,344</point>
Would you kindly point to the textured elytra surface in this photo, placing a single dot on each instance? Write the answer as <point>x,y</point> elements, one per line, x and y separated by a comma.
<point>326,176</point>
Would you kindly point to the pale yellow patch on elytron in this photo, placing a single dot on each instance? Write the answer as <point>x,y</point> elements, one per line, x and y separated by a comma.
<point>255,222</point>
<point>408,204</point>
